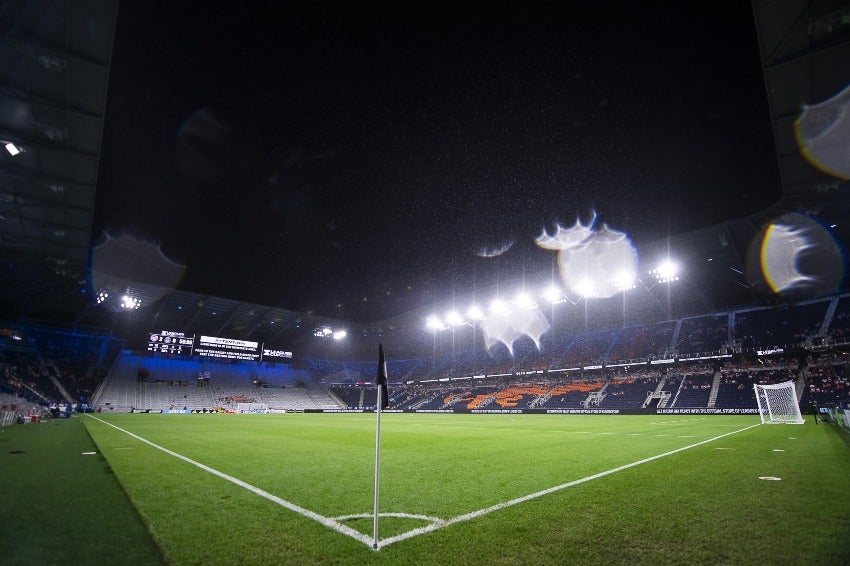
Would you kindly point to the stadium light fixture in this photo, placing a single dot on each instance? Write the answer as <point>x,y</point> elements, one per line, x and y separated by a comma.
<point>13,149</point>
<point>666,272</point>
<point>453,318</point>
<point>524,301</point>
<point>625,281</point>
<point>585,288</point>
<point>129,302</point>
<point>498,306</point>
<point>475,313</point>
<point>340,334</point>
<point>433,323</point>
<point>553,294</point>
<point>323,332</point>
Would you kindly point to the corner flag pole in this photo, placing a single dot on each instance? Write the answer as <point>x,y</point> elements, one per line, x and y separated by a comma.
<point>377,472</point>
<point>383,401</point>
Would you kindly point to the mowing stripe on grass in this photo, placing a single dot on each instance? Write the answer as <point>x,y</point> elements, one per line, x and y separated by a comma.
<point>326,521</point>
<point>436,522</point>
<point>524,498</point>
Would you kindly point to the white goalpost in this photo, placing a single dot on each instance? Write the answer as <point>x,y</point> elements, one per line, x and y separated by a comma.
<point>778,403</point>
<point>259,408</point>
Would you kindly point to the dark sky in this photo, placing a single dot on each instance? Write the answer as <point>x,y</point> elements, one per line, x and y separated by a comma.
<point>353,162</point>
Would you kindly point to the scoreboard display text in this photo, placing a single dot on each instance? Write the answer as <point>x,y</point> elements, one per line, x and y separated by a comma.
<point>171,343</point>
<point>213,347</point>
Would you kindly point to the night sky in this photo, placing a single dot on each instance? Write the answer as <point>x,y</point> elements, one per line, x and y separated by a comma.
<point>355,163</point>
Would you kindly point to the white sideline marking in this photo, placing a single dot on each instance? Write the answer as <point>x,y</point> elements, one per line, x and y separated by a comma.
<point>326,521</point>
<point>436,523</point>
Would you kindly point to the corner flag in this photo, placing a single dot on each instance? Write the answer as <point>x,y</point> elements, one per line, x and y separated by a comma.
<point>382,378</point>
<point>383,402</point>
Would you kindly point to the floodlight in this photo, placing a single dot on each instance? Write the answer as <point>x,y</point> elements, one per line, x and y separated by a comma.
<point>498,306</point>
<point>13,149</point>
<point>433,323</point>
<point>553,294</point>
<point>340,334</point>
<point>625,280</point>
<point>585,288</point>
<point>130,303</point>
<point>524,300</point>
<point>326,331</point>
<point>475,313</point>
<point>454,319</point>
<point>666,271</point>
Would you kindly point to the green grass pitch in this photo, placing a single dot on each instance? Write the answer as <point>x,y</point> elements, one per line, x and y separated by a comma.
<point>476,489</point>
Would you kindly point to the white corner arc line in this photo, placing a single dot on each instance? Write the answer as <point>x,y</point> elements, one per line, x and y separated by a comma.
<point>393,514</point>
<point>357,535</point>
<point>326,521</point>
<point>547,491</point>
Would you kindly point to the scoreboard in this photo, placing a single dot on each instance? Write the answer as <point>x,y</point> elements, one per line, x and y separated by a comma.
<point>228,348</point>
<point>169,342</point>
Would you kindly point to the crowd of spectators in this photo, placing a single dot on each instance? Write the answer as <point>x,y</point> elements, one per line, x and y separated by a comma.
<point>68,366</point>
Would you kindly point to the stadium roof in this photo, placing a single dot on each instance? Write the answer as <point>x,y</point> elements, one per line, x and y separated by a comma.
<point>57,58</point>
<point>53,82</point>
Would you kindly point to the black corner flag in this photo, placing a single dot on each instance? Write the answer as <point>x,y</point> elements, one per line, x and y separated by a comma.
<point>383,403</point>
<point>382,377</point>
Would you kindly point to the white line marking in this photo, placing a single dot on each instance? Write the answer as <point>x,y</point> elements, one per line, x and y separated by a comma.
<point>523,499</point>
<point>437,524</point>
<point>399,515</point>
<point>326,521</point>
<point>677,421</point>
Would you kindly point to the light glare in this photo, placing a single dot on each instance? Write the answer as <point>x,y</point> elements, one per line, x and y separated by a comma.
<point>498,306</point>
<point>524,300</point>
<point>454,319</point>
<point>475,313</point>
<point>585,288</point>
<point>433,323</point>
<point>553,294</point>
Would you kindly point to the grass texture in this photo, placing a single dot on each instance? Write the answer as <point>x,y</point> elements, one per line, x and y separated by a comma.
<point>252,489</point>
<point>60,503</point>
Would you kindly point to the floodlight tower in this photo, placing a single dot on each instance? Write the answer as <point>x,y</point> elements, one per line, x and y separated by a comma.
<point>434,324</point>
<point>666,272</point>
<point>453,319</point>
<point>475,316</point>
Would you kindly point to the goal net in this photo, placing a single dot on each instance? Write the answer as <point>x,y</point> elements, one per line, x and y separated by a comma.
<point>260,408</point>
<point>778,403</point>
